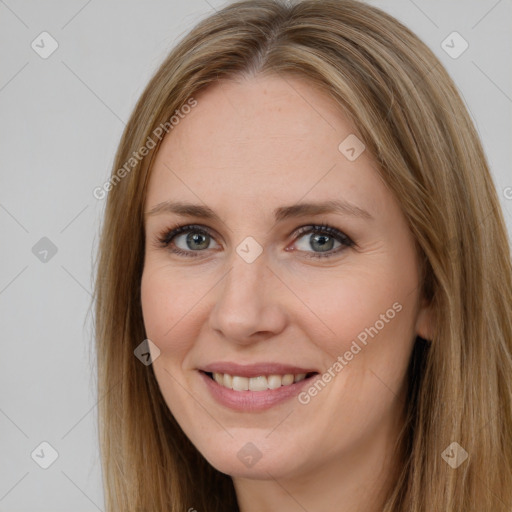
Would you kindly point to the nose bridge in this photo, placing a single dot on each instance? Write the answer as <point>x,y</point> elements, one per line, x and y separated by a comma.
<point>248,270</point>
<point>245,283</point>
<point>243,305</point>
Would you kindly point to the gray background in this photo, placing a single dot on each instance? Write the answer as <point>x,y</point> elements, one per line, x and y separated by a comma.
<point>61,120</point>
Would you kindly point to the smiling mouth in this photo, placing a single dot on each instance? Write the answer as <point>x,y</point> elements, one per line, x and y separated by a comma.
<point>259,383</point>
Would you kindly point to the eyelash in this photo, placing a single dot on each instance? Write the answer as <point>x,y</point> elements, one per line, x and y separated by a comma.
<point>165,237</point>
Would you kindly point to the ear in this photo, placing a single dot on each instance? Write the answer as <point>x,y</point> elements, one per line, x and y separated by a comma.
<point>425,320</point>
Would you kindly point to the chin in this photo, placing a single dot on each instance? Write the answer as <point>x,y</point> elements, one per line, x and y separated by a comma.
<point>260,459</point>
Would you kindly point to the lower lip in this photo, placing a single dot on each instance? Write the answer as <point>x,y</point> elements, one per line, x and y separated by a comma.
<point>253,400</point>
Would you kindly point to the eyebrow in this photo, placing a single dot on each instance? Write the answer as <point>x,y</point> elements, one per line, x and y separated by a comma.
<point>280,214</point>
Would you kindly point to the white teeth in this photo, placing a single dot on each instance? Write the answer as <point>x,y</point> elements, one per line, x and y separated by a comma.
<point>240,383</point>
<point>258,383</point>
<point>287,379</point>
<point>274,381</point>
<point>228,381</point>
<point>261,383</point>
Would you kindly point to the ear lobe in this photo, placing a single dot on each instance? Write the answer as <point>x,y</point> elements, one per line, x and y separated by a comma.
<point>425,321</point>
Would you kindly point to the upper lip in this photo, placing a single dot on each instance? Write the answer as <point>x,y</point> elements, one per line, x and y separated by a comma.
<point>255,370</point>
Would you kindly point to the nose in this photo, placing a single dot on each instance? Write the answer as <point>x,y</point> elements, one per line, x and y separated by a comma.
<point>248,307</point>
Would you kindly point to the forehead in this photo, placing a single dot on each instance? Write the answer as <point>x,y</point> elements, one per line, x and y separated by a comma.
<point>267,138</point>
<point>260,113</point>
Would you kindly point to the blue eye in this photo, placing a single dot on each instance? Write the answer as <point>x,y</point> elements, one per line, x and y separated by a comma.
<point>323,237</point>
<point>198,239</point>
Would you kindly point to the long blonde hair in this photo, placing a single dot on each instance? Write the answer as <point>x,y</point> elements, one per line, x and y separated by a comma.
<point>412,119</point>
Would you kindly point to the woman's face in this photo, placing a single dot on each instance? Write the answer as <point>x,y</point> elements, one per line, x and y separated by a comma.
<point>260,298</point>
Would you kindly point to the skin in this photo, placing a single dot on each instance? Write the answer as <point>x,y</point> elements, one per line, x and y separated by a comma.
<point>248,147</point>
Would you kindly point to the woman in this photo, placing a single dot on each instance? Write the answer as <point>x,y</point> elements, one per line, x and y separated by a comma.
<point>304,281</point>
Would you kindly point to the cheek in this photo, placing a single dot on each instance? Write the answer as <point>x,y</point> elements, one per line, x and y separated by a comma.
<point>167,312</point>
<point>366,351</point>
<point>343,305</point>
<point>165,304</point>
<point>366,316</point>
